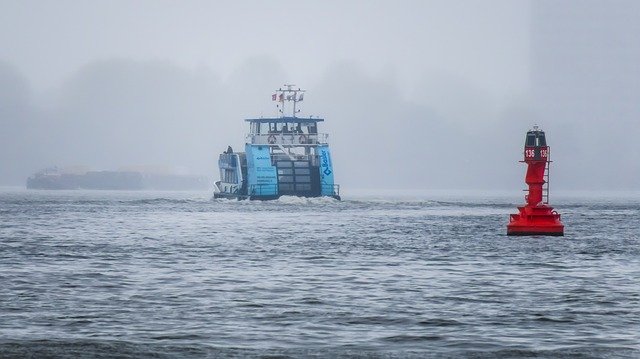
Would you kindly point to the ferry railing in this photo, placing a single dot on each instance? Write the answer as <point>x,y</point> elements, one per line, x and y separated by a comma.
<point>226,188</point>
<point>298,139</point>
<point>263,189</point>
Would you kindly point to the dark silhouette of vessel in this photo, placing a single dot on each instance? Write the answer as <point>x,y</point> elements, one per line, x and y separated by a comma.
<point>56,179</point>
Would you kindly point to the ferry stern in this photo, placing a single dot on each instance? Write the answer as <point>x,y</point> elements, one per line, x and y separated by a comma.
<point>283,156</point>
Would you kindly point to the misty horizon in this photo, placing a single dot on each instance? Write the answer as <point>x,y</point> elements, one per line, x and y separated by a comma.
<point>433,95</point>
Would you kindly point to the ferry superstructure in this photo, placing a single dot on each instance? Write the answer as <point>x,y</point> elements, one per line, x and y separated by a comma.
<point>283,156</point>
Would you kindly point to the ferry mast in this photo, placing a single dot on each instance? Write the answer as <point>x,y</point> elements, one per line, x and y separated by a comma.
<point>288,94</point>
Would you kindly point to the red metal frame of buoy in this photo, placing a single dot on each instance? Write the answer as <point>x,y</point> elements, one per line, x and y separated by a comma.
<point>536,217</point>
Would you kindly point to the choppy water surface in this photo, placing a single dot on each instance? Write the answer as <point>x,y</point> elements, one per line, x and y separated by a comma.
<point>160,274</point>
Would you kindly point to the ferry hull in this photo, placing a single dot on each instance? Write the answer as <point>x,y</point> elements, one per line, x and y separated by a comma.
<point>240,197</point>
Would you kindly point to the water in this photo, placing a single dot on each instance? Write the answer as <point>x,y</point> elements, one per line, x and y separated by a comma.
<point>136,274</point>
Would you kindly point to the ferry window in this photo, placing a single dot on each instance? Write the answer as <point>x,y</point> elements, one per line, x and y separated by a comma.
<point>285,178</point>
<point>303,187</point>
<point>272,127</point>
<point>285,187</point>
<point>230,176</point>
<point>303,179</point>
<point>285,171</point>
<point>302,171</point>
<point>301,164</point>
<point>284,164</point>
<point>313,128</point>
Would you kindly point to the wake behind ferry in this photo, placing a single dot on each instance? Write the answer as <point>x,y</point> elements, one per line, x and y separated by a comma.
<point>283,156</point>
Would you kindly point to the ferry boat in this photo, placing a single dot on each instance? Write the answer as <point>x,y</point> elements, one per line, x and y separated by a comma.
<point>283,156</point>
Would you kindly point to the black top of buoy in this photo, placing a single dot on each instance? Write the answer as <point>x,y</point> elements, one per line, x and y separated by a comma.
<point>535,138</point>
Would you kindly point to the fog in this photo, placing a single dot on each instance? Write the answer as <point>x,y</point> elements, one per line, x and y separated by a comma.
<point>416,94</point>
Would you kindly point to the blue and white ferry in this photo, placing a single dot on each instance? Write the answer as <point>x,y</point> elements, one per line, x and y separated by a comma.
<point>283,156</point>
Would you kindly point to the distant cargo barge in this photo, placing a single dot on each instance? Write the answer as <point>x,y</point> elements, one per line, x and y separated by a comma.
<point>55,179</point>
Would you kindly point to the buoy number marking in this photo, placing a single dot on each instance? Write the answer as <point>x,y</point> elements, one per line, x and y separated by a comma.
<point>532,153</point>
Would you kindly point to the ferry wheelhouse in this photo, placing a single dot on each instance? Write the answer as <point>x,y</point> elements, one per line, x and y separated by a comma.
<point>283,156</point>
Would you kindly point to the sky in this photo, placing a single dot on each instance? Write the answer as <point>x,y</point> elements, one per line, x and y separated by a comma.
<point>416,94</point>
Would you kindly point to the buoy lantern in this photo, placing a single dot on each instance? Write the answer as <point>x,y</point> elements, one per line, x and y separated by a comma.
<point>536,217</point>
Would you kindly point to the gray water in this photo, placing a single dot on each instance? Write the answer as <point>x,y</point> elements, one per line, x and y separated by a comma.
<point>138,274</point>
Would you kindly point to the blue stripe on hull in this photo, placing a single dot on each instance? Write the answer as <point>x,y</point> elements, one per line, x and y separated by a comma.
<point>262,176</point>
<point>326,171</point>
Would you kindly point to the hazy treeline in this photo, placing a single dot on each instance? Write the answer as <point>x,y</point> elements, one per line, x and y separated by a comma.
<point>122,112</point>
<point>437,129</point>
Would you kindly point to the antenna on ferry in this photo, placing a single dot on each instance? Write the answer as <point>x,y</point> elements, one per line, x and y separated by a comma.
<point>292,95</point>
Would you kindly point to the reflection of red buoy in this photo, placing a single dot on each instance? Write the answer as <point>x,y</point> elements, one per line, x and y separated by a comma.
<point>536,217</point>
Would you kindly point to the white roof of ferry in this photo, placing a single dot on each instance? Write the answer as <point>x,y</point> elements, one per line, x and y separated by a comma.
<point>285,119</point>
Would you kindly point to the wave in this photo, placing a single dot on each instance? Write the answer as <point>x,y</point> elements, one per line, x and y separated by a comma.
<point>418,346</point>
<point>306,200</point>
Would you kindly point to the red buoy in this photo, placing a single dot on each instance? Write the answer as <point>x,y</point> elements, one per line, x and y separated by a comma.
<point>536,217</point>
